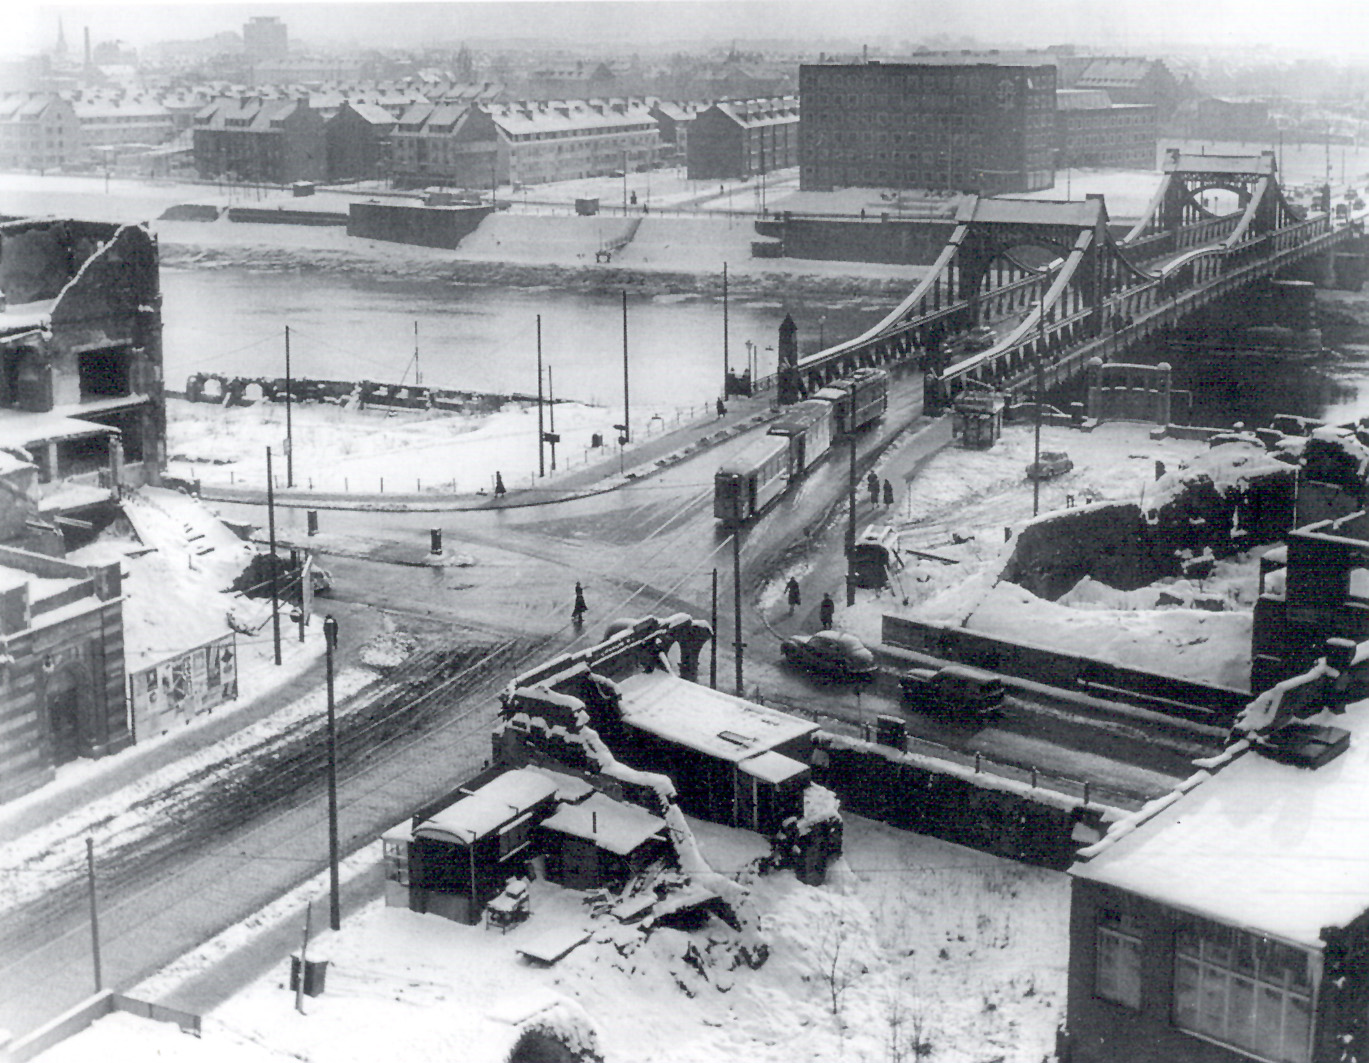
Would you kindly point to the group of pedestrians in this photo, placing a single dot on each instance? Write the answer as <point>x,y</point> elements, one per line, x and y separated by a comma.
<point>873,483</point>
<point>827,608</point>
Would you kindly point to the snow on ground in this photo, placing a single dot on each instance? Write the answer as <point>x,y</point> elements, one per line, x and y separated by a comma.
<point>177,564</point>
<point>140,808</point>
<point>973,495</point>
<point>914,940</point>
<point>339,449</point>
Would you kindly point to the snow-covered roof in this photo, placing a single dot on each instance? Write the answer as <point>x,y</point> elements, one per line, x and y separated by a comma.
<point>773,767</point>
<point>611,825</point>
<point>721,725</point>
<point>495,803</point>
<point>1269,847</point>
<point>20,429</point>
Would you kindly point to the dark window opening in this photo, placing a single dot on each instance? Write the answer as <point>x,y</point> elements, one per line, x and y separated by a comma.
<point>84,455</point>
<point>103,374</point>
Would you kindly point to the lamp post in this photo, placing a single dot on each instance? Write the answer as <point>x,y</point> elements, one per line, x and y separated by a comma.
<point>334,893</point>
<point>822,332</point>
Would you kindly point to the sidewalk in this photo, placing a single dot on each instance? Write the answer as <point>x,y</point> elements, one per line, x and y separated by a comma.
<point>635,462</point>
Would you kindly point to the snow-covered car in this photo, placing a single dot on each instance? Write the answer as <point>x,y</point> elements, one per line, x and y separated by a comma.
<point>832,654</point>
<point>1053,463</point>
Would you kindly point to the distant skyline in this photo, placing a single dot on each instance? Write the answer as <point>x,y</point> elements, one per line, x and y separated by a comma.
<point>1334,28</point>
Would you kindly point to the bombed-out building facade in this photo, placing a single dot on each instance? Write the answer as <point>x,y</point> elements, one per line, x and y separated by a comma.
<point>82,417</point>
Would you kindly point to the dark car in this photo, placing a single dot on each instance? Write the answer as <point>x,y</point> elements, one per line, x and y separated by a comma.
<point>1053,463</point>
<point>832,654</point>
<point>952,690</point>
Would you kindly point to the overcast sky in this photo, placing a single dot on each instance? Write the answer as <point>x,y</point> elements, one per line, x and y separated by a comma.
<point>1333,27</point>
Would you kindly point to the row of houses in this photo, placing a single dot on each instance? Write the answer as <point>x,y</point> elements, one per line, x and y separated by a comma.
<point>475,144</point>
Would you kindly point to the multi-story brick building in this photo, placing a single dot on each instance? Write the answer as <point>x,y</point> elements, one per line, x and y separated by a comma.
<point>448,144</point>
<point>112,123</point>
<point>277,141</point>
<point>357,139</point>
<point>563,139</point>
<point>944,123</point>
<point>38,132</point>
<point>741,138</point>
<point>1133,79</point>
<point>675,121</point>
<point>1091,130</point>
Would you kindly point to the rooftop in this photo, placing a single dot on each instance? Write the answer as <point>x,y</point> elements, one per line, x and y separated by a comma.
<point>493,804</point>
<point>1269,847</point>
<point>721,725</point>
<point>611,825</point>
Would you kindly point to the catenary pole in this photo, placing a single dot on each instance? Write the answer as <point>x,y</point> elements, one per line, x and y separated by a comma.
<point>737,606</point>
<point>541,437</point>
<point>627,408</point>
<point>551,416</point>
<point>726,366</point>
<point>289,425</point>
<point>94,916</point>
<point>271,533</point>
<point>713,649</point>
<point>334,889</point>
<point>851,519</point>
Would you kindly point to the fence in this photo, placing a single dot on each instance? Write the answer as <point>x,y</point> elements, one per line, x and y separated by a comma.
<point>78,1018</point>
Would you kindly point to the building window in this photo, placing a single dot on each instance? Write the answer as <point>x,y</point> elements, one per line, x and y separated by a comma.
<point>1118,977</point>
<point>514,836</point>
<point>1243,990</point>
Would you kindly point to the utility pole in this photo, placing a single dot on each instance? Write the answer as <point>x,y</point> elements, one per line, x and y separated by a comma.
<point>334,890</point>
<point>418,370</point>
<point>541,436</point>
<point>713,650</point>
<point>726,368</point>
<point>94,915</point>
<point>737,604</point>
<point>289,431</point>
<point>851,526</point>
<point>1036,477</point>
<point>271,525</point>
<point>551,412</point>
<point>627,408</point>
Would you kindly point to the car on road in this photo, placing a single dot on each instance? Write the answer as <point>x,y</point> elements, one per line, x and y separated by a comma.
<point>831,654</point>
<point>954,690</point>
<point>1053,463</point>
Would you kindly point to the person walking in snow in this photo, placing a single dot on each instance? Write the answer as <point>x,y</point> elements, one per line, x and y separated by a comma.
<point>722,408</point>
<point>791,590</point>
<point>827,611</point>
<point>578,611</point>
<point>888,493</point>
<point>498,484</point>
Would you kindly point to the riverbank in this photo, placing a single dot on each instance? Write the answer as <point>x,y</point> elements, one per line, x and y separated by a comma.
<point>680,255</point>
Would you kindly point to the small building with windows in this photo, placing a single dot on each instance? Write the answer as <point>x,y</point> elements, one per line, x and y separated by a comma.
<point>1230,920</point>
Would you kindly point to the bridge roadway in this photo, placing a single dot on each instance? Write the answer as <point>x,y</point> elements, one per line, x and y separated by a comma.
<point>233,835</point>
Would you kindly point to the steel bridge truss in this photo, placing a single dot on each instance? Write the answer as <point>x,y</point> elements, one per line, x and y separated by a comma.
<point>1068,289</point>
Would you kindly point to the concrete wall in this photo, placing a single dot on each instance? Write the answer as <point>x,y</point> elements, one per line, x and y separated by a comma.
<point>855,240</point>
<point>412,224</point>
<point>911,794</point>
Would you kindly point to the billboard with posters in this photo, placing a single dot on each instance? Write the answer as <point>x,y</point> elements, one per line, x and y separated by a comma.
<point>179,688</point>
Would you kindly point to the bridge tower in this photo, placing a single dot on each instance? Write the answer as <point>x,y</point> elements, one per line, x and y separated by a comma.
<point>789,382</point>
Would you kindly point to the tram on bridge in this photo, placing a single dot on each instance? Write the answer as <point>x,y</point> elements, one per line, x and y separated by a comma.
<point>750,481</point>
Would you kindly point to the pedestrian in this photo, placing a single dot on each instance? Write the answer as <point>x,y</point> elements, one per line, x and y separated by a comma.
<point>498,483</point>
<point>578,611</point>
<point>722,408</point>
<point>888,493</point>
<point>872,482</point>
<point>827,611</point>
<point>791,590</point>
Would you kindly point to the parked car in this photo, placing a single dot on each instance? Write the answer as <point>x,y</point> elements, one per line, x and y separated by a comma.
<point>953,690</point>
<point>832,654</point>
<point>1053,463</point>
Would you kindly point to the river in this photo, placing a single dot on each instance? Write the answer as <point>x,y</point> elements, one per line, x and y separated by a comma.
<point>473,337</point>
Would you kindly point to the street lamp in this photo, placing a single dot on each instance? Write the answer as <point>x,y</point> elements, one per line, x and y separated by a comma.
<point>334,893</point>
<point>822,332</point>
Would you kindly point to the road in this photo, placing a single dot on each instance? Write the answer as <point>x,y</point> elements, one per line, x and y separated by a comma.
<point>232,837</point>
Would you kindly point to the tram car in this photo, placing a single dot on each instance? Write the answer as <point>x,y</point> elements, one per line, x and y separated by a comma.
<point>750,481</point>
<point>858,399</point>
<point>755,477</point>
